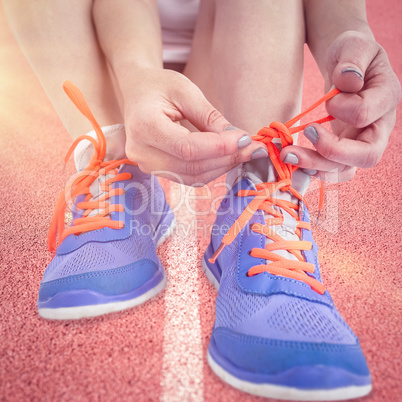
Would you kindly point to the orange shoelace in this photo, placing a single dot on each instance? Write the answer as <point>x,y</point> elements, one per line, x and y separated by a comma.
<point>263,200</point>
<point>82,181</point>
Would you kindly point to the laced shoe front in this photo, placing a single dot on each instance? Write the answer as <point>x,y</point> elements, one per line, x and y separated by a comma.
<point>105,259</point>
<point>277,332</point>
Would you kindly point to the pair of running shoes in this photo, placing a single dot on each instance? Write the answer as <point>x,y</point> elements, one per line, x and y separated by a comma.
<point>277,332</point>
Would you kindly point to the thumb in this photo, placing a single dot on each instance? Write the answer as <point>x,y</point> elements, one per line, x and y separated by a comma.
<point>349,57</point>
<point>199,112</point>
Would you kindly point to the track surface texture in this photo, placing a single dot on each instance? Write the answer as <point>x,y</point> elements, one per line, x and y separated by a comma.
<point>158,351</point>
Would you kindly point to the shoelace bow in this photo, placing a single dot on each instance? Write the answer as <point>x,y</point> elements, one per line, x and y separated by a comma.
<point>82,181</point>
<point>263,200</point>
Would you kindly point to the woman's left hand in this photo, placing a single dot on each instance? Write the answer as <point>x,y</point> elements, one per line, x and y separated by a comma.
<point>365,111</point>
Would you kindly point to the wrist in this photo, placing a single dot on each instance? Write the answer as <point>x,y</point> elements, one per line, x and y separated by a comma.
<point>125,65</point>
<point>132,74</point>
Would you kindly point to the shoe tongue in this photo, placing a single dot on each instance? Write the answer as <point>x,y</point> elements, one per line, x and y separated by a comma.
<point>262,170</point>
<point>115,146</point>
<point>115,149</point>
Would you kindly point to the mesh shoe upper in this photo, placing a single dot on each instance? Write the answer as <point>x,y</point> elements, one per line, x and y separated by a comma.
<point>100,252</point>
<point>278,316</point>
<point>273,315</point>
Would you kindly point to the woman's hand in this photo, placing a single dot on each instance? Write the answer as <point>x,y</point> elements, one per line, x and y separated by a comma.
<point>365,111</point>
<point>155,101</point>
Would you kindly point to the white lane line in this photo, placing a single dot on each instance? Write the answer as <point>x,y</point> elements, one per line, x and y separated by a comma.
<point>182,372</point>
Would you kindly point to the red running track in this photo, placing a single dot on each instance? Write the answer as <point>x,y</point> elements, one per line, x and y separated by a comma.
<point>158,351</point>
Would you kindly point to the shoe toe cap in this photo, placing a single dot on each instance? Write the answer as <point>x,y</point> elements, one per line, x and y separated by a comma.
<point>290,363</point>
<point>108,283</point>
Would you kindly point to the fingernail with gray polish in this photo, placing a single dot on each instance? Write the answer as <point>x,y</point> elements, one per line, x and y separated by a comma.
<point>291,158</point>
<point>244,141</point>
<point>259,153</point>
<point>311,134</point>
<point>228,128</point>
<point>352,70</point>
<point>311,172</point>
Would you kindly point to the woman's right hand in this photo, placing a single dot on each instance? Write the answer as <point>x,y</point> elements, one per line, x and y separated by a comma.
<point>155,101</point>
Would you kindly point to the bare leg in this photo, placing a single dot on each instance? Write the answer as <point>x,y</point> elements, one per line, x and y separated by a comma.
<point>247,57</point>
<point>59,40</point>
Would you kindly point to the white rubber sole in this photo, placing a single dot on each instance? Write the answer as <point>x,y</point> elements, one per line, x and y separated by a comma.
<point>209,274</point>
<point>75,313</point>
<point>286,393</point>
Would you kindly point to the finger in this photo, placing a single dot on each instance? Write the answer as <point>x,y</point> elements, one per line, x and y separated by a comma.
<point>200,167</point>
<point>159,160</point>
<point>310,159</point>
<point>364,151</point>
<point>182,144</point>
<point>363,68</point>
<point>347,64</point>
<point>379,97</point>
<point>314,164</point>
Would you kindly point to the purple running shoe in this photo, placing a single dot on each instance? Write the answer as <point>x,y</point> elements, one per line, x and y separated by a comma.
<point>106,258</point>
<point>277,332</point>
